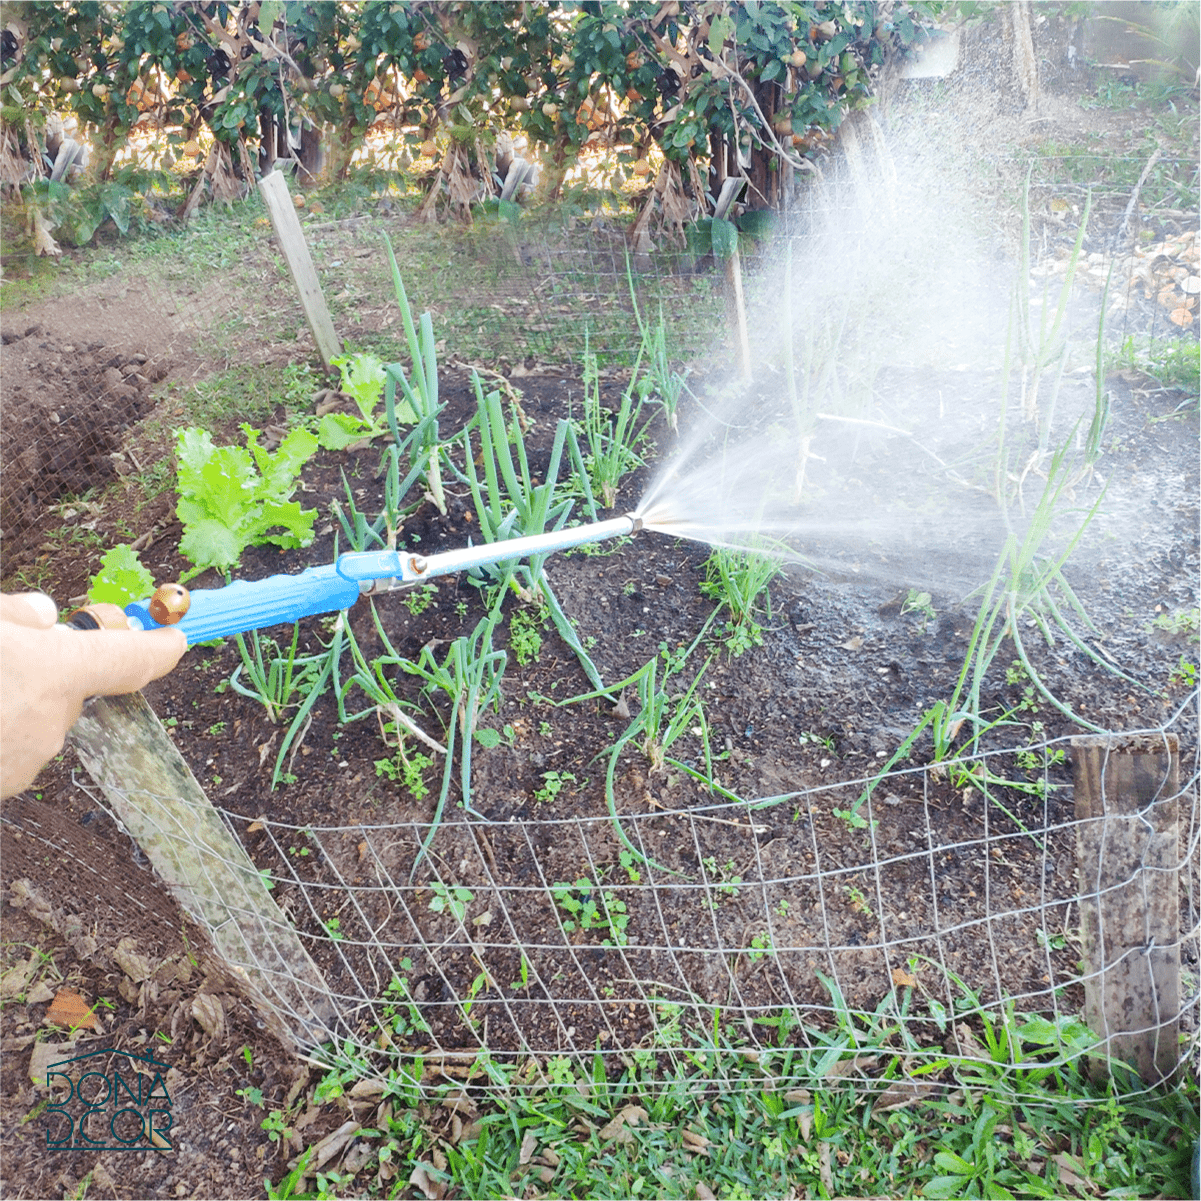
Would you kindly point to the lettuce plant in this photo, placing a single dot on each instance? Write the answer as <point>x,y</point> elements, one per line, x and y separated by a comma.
<point>122,578</point>
<point>231,497</point>
<point>363,378</point>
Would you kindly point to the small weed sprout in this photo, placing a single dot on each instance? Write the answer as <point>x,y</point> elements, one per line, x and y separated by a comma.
<point>857,900</point>
<point>400,1011</point>
<point>919,602</point>
<point>725,880</point>
<point>417,600</point>
<point>450,900</point>
<point>406,768</point>
<point>627,861</point>
<point>525,636</point>
<point>490,739</point>
<point>761,946</point>
<point>1184,674</point>
<point>588,908</point>
<point>275,1126</point>
<point>555,782</point>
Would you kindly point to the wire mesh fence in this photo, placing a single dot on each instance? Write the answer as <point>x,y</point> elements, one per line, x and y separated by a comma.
<point>956,912</point>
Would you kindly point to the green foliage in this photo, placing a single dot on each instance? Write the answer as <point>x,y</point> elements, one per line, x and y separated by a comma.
<point>450,900</point>
<point>588,907</point>
<point>553,784</point>
<point>232,497</point>
<point>612,437</point>
<point>525,636</point>
<point>363,378</point>
<point>919,602</point>
<point>1174,362</point>
<point>1006,1108</point>
<point>558,76</point>
<point>739,580</point>
<point>407,768</point>
<point>122,578</point>
<point>276,678</point>
<point>418,599</point>
<point>400,1012</point>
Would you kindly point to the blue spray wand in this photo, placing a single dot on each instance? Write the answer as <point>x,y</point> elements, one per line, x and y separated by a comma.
<point>207,613</point>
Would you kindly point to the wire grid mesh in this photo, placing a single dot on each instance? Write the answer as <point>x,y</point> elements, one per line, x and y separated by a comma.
<point>952,909</point>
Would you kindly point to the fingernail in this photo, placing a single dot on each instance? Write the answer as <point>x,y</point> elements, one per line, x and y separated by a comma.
<point>42,605</point>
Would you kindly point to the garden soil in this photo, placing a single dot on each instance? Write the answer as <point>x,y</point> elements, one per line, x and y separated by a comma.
<point>844,672</point>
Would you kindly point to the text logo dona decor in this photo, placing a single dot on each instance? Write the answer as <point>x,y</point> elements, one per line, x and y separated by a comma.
<point>114,1101</point>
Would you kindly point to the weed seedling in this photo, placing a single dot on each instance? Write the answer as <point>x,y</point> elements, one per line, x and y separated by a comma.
<point>761,946</point>
<point>725,880</point>
<point>417,600</point>
<point>588,908</point>
<point>554,784</point>
<point>450,900</point>
<point>525,637</point>
<point>919,602</point>
<point>407,768</point>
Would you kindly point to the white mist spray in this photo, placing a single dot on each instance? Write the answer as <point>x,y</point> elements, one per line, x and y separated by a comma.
<point>870,436</point>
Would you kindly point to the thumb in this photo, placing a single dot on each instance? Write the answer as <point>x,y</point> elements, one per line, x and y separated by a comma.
<point>114,662</point>
<point>34,609</point>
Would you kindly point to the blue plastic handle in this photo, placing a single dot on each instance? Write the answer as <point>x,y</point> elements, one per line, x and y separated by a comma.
<point>251,604</point>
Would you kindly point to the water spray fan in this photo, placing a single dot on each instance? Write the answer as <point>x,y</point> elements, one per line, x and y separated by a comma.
<point>207,613</point>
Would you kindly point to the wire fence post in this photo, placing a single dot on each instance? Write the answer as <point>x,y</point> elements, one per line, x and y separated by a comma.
<point>1128,851</point>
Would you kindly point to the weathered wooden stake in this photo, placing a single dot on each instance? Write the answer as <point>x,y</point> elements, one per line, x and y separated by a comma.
<point>732,264</point>
<point>1128,851</point>
<point>151,789</point>
<point>290,236</point>
<point>736,313</point>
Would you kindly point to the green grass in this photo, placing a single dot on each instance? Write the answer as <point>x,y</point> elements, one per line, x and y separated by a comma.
<point>244,392</point>
<point>1174,362</point>
<point>859,1109</point>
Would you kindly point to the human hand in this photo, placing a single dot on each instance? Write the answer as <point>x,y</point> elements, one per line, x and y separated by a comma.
<point>47,671</point>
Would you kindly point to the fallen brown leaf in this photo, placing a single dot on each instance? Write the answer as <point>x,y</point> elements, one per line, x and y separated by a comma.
<point>14,981</point>
<point>901,1093</point>
<point>529,1144</point>
<point>430,1188</point>
<point>71,1010</point>
<point>1067,1175</point>
<point>823,1167</point>
<point>209,1013</point>
<point>45,1054</point>
<point>630,1115</point>
<point>39,994</point>
<point>334,1143</point>
<point>136,967</point>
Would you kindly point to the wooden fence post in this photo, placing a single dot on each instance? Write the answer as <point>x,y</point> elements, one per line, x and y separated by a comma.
<point>290,236</point>
<point>1128,851</point>
<point>152,790</point>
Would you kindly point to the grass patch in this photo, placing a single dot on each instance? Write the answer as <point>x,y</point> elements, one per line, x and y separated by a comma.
<point>861,1109</point>
<point>1174,362</point>
<point>244,392</point>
